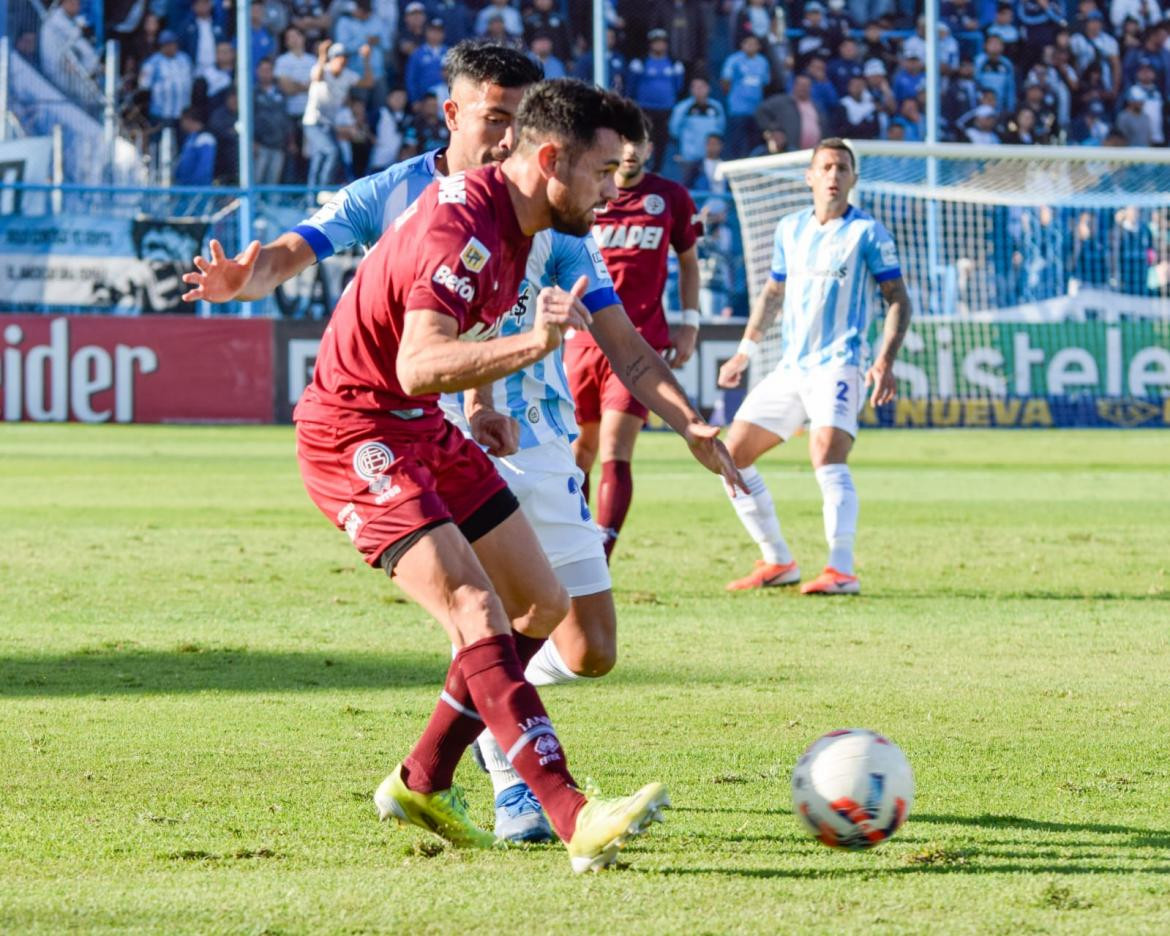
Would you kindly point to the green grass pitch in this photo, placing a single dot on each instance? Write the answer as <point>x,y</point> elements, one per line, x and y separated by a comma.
<point>201,685</point>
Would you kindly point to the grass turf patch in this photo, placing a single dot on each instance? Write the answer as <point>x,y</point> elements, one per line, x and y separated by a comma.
<point>202,685</point>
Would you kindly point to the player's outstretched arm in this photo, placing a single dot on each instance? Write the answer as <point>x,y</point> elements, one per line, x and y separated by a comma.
<point>649,378</point>
<point>432,359</point>
<point>252,274</point>
<point>881,374</point>
<point>764,311</point>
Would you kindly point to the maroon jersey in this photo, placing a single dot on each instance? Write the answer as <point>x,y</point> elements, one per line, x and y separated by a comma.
<point>634,233</point>
<point>458,249</point>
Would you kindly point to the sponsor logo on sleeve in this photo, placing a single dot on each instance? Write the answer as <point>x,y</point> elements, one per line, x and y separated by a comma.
<point>599,266</point>
<point>475,255</point>
<point>653,204</point>
<point>889,254</point>
<point>459,285</point>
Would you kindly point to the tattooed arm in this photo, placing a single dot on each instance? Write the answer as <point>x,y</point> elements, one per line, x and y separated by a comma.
<point>649,378</point>
<point>881,374</point>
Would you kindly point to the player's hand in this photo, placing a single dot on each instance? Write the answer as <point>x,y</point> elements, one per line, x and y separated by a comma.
<point>498,433</point>
<point>221,279</point>
<point>712,454</point>
<point>683,345</point>
<point>364,51</point>
<point>885,388</point>
<point>732,371</point>
<point>557,311</point>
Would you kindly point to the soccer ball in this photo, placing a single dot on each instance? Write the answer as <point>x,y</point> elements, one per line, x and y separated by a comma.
<point>852,788</point>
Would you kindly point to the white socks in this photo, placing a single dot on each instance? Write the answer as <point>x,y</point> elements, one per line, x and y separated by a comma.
<point>840,512</point>
<point>758,516</point>
<point>547,668</point>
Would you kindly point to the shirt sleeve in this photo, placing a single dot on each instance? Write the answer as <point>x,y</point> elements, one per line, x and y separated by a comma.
<point>454,268</point>
<point>685,226</point>
<point>881,255</point>
<point>779,270</point>
<point>574,257</point>
<point>344,221</point>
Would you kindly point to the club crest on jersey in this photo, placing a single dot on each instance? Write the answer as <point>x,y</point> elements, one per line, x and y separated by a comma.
<point>459,285</point>
<point>653,204</point>
<point>474,255</point>
<point>453,190</point>
<point>371,460</point>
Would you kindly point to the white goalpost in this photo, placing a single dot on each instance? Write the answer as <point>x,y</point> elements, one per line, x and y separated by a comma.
<point>1035,272</point>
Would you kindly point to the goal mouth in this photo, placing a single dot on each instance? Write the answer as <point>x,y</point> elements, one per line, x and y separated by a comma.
<point>1033,271</point>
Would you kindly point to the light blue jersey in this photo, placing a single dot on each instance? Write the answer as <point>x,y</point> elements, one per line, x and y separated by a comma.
<point>830,273</point>
<point>537,397</point>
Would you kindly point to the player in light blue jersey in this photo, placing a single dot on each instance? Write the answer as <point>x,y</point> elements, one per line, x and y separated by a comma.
<point>526,421</point>
<point>829,263</point>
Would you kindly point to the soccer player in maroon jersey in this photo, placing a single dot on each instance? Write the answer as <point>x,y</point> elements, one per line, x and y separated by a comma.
<point>635,232</point>
<point>424,503</point>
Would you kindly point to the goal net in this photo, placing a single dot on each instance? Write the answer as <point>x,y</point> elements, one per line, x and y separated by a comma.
<point>1039,276</point>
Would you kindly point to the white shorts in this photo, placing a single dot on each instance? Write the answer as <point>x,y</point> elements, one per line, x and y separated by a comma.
<point>547,482</point>
<point>788,398</point>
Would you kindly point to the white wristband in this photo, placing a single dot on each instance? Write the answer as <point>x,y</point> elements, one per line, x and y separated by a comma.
<point>748,347</point>
<point>690,318</point>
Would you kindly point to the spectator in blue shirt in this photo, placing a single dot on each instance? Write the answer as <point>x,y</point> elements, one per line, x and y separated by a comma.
<point>846,66</point>
<point>691,122</point>
<point>909,79</point>
<point>457,20</point>
<point>263,45</point>
<point>196,164</point>
<point>168,76</point>
<point>202,34</point>
<point>1005,27</point>
<point>655,83</point>
<point>424,69</point>
<point>745,75</point>
<point>541,51</point>
<point>823,92</point>
<point>513,24</point>
<point>363,27</point>
<point>995,73</point>
<point>1040,19</point>
<point>615,63</point>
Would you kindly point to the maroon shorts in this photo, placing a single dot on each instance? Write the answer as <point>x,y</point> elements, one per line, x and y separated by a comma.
<point>380,482</point>
<point>594,385</point>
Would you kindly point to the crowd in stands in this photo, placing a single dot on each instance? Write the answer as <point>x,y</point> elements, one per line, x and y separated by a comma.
<point>344,87</point>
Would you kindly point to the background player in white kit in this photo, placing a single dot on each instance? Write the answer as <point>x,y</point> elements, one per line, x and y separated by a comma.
<point>826,262</point>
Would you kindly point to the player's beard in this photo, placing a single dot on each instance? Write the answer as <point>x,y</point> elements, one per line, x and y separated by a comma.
<point>576,224</point>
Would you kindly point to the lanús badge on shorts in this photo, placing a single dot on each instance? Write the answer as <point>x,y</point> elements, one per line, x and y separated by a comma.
<point>371,462</point>
<point>653,204</point>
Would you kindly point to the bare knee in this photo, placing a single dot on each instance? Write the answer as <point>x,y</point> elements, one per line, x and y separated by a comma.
<point>590,658</point>
<point>587,639</point>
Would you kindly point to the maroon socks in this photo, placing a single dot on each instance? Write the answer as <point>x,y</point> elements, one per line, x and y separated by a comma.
<point>613,500</point>
<point>486,686</point>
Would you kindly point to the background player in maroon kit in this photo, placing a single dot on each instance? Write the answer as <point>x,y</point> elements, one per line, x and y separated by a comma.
<point>414,495</point>
<point>635,232</point>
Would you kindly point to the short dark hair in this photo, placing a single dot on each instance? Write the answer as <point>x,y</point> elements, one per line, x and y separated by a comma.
<point>491,63</point>
<point>574,111</point>
<point>836,143</point>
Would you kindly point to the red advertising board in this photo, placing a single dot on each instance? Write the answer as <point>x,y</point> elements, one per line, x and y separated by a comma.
<point>158,369</point>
